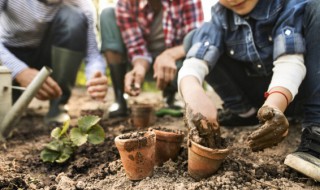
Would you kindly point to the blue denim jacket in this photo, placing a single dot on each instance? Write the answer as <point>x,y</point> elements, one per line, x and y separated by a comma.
<point>273,28</point>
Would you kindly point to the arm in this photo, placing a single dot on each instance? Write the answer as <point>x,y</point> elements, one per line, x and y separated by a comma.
<point>165,68</point>
<point>165,64</point>
<point>288,73</point>
<point>23,74</point>
<point>97,83</point>
<point>190,79</point>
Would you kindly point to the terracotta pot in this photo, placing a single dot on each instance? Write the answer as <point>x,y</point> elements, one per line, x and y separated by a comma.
<point>137,154</point>
<point>168,144</point>
<point>203,161</point>
<point>142,115</point>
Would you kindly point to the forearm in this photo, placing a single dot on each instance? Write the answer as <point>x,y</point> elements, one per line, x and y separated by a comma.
<point>15,65</point>
<point>94,60</point>
<point>176,52</point>
<point>188,86</point>
<point>288,73</point>
<point>278,97</point>
<point>141,64</point>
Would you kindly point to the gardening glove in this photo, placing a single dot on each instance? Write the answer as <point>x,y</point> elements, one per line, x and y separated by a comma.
<point>201,130</point>
<point>274,129</point>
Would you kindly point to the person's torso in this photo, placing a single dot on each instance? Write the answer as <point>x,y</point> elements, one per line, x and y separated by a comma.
<point>251,38</point>
<point>172,20</point>
<point>23,23</point>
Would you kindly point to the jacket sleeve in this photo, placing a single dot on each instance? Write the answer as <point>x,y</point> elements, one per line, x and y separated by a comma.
<point>94,60</point>
<point>6,57</point>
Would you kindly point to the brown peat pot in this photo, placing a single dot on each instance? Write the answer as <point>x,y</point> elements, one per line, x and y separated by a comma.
<point>142,115</point>
<point>203,161</point>
<point>168,144</point>
<point>137,152</point>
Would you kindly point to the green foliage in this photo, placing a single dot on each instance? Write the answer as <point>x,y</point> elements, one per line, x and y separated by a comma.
<point>63,144</point>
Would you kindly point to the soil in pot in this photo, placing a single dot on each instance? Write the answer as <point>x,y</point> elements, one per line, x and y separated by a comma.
<point>206,148</point>
<point>168,144</point>
<point>142,115</point>
<point>137,152</point>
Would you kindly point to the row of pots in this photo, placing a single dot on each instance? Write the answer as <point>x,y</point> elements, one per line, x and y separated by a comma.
<point>141,151</point>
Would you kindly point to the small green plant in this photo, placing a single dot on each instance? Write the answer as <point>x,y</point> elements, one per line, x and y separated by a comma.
<point>64,144</point>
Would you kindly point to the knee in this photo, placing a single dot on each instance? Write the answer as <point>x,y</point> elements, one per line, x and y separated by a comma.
<point>107,17</point>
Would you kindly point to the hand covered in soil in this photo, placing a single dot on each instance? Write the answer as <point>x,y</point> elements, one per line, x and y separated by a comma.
<point>97,86</point>
<point>201,130</point>
<point>274,129</point>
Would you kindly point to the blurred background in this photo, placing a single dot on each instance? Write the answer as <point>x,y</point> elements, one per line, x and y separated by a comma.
<point>101,4</point>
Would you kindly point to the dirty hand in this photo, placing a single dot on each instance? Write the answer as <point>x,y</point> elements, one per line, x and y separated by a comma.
<point>97,86</point>
<point>165,70</point>
<point>274,129</point>
<point>201,130</point>
<point>49,89</point>
<point>134,79</point>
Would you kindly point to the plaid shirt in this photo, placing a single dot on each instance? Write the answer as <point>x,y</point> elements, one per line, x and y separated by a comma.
<point>135,17</point>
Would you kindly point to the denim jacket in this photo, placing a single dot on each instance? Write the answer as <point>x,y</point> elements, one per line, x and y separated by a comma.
<point>272,29</point>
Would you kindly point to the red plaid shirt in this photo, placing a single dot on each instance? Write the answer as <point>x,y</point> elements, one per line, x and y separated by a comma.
<point>134,17</point>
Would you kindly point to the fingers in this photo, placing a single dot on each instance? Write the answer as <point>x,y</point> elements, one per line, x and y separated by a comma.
<point>97,86</point>
<point>262,131</point>
<point>49,90</point>
<point>164,73</point>
<point>278,132</point>
<point>133,83</point>
<point>274,129</point>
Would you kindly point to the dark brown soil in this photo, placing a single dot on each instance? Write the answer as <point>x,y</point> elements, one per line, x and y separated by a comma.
<point>95,167</point>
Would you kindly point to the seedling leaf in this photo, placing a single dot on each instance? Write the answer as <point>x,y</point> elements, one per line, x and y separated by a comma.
<point>55,145</point>
<point>66,154</point>
<point>47,155</point>
<point>59,131</point>
<point>77,137</point>
<point>55,133</point>
<point>96,134</point>
<point>65,127</point>
<point>86,122</point>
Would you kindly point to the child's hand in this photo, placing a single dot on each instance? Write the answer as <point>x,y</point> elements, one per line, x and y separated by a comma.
<point>274,129</point>
<point>201,130</point>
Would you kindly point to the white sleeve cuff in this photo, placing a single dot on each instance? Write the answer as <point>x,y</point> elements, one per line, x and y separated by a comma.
<point>288,72</point>
<point>148,58</point>
<point>193,67</point>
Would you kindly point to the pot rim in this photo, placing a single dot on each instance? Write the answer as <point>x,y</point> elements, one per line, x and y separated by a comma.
<point>169,136</point>
<point>149,136</point>
<point>208,152</point>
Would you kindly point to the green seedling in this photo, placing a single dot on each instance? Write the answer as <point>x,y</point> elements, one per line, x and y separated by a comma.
<point>64,144</point>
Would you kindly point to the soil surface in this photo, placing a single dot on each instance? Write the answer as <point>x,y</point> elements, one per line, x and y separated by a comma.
<point>95,167</point>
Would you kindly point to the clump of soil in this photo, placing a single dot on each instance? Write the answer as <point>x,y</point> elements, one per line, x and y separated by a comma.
<point>202,131</point>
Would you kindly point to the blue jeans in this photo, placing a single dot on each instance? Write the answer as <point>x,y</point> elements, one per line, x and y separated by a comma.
<point>240,90</point>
